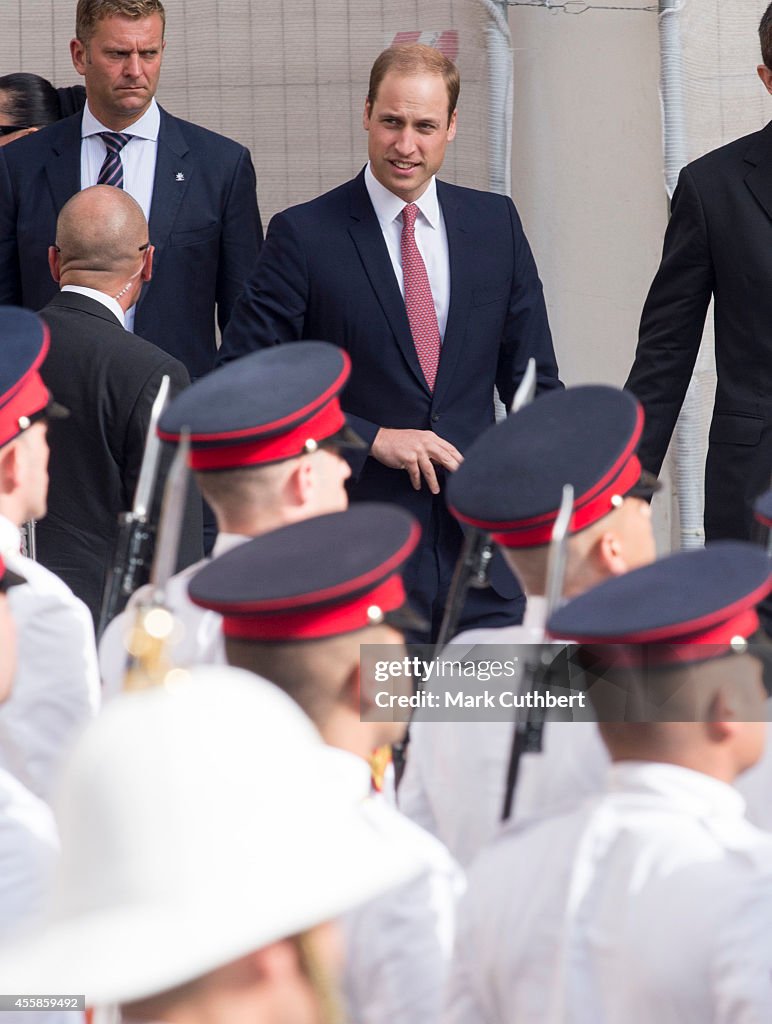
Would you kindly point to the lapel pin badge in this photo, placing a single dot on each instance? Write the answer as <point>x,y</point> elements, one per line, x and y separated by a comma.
<point>179,176</point>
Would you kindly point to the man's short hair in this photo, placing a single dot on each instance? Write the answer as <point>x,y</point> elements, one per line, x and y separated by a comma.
<point>765,36</point>
<point>415,59</point>
<point>90,12</point>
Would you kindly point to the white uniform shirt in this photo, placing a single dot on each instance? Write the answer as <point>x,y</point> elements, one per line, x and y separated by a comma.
<point>29,848</point>
<point>200,640</point>
<point>455,776</point>
<point>56,685</point>
<point>633,909</point>
<point>398,946</point>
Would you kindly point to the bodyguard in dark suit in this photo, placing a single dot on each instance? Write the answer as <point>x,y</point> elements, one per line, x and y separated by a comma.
<point>430,335</point>
<point>718,243</point>
<point>196,188</point>
<point>108,379</point>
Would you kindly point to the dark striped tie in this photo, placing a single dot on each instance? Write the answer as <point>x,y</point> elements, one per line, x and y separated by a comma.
<point>111,172</point>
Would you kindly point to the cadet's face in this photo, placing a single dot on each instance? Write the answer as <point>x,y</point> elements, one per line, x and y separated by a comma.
<point>7,648</point>
<point>408,132</point>
<point>33,453</point>
<point>121,64</point>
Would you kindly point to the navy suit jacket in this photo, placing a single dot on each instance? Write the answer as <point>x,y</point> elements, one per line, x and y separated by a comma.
<point>324,272</point>
<point>204,223</point>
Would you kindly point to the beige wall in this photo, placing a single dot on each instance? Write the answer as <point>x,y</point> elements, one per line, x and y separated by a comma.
<point>587,176</point>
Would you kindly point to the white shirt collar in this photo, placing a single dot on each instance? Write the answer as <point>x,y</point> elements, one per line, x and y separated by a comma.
<point>145,128</point>
<point>226,541</point>
<point>699,794</point>
<point>10,537</point>
<point>388,207</point>
<point>107,300</point>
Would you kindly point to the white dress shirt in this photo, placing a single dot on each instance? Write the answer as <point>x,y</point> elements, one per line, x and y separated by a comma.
<point>106,300</point>
<point>398,946</point>
<point>430,235</point>
<point>644,906</point>
<point>56,685</point>
<point>199,640</point>
<point>138,157</point>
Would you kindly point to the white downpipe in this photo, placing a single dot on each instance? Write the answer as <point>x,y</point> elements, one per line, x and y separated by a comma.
<point>688,433</point>
<point>500,109</point>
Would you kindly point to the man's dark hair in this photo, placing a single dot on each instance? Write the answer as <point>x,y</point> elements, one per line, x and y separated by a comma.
<point>29,100</point>
<point>765,36</point>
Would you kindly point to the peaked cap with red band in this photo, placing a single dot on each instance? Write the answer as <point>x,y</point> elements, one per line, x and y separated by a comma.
<point>763,509</point>
<point>268,406</point>
<point>24,398</point>
<point>322,577</point>
<point>511,480</point>
<point>689,607</point>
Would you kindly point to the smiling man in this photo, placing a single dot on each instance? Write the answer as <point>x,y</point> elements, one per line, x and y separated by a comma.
<point>433,292</point>
<point>196,189</point>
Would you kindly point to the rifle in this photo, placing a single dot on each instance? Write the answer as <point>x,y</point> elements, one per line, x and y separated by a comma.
<point>135,530</point>
<point>154,624</point>
<point>28,540</point>
<point>477,552</point>
<point>527,735</point>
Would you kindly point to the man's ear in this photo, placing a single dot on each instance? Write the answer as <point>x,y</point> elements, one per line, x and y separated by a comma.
<point>352,689</point>
<point>366,116</point>
<point>608,554</point>
<point>722,715</point>
<point>54,263</point>
<point>79,55</point>
<point>9,468</point>
<point>147,266</point>
<point>300,483</point>
<point>765,74</point>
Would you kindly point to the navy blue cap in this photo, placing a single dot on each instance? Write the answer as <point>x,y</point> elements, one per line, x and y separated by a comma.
<point>511,480</point>
<point>321,577</point>
<point>763,509</point>
<point>693,605</point>
<point>268,406</point>
<point>24,398</point>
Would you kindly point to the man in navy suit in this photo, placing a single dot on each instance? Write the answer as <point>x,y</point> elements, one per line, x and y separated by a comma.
<point>432,290</point>
<point>197,189</point>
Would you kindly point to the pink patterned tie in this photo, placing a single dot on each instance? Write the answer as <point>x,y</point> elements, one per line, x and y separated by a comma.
<point>418,299</point>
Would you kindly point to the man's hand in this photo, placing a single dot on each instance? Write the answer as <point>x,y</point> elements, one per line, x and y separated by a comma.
<point>416,451</point>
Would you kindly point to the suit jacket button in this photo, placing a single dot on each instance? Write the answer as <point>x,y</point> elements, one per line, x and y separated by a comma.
<point>435,417</point>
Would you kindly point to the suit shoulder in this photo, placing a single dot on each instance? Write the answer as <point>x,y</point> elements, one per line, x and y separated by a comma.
<point>329,203</point>
<point>733,153</point>
<point>200,138</point>
<point>33,149</point>
<point>472,196</point>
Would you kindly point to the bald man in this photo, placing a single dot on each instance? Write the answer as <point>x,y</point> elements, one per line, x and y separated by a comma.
<point>108,378</point>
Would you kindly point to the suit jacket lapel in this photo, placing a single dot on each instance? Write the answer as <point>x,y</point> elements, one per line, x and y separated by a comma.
<point>368,238</point>
<point>63,163</point>
<point>460,289</point>
<point>759,178</point>
<point>173,171</point>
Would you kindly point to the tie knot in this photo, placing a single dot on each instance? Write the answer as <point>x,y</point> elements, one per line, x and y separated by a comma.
<point>115,141</point>
<point>409,214</point>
